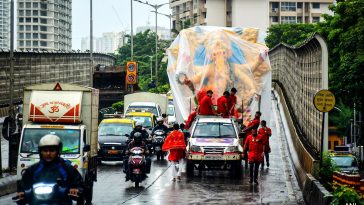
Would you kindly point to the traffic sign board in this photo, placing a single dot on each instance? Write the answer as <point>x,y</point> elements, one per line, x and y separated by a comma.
<point>324,101</point>
<point>131,65</point>
<point>131,78</point>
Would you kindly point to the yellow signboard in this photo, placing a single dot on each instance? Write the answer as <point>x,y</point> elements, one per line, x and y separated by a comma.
<point>324,101</point>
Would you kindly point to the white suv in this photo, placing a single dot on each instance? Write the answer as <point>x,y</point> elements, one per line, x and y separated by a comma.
<point>214,144</point>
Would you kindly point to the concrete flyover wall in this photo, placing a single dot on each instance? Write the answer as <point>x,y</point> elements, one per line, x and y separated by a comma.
<point>42,67</point>
<point>297,74</point>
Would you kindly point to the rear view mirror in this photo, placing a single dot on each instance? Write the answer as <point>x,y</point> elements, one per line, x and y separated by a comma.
<point>86,148</point>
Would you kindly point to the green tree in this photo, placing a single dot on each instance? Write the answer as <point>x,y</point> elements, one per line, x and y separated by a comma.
<point>292,34</point>
<point>344,32</point>
<point>340,118</point>
<point>144,48</point>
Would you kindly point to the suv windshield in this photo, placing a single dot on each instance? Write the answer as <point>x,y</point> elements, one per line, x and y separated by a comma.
<point>343,161</point>
<point>170,111</point>
<point>69,138</point>
<point>144,108</point>
<point>214,130</point>
<point>117,129</point>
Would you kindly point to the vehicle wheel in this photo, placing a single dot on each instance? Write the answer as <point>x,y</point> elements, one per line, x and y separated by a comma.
<point>136,183</point>
<point>162,156</point>
<point>158,156</point>
<point>189,168</point>
<point>99,162</point>
<point>236,169</point>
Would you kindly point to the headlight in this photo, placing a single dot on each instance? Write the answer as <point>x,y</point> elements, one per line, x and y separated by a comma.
<point>195,148</point>
<point>231,149</point>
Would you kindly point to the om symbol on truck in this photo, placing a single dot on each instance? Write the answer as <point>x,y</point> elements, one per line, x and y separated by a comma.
<point>54,109</point>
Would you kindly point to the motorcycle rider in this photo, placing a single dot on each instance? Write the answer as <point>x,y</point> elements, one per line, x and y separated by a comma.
<point>51,168</point>
<point>136,142</point>
<point>138,128</point>
<point>160,126</point>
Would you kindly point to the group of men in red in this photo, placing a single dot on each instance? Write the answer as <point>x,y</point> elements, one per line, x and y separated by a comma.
<point>256,145</point>
<point>225,106</point>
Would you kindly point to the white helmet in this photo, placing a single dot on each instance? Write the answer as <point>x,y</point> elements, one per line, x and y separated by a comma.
<point>138,124</point>
<point>49,140</point>
<point>160,119</point>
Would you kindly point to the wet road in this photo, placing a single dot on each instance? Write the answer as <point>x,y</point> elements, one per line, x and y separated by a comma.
<point>278,184</point>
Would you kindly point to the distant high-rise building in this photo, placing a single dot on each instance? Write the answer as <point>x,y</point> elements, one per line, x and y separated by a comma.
<point>44,25</point>
<point>163,33</point>
<point>4,24</point>
<point>110,42</point>
<point>85,43</point>
<point>246,13</point>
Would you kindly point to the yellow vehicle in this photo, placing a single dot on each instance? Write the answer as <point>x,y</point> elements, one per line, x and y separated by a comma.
<point>112,138</point>
<point>147,119</point>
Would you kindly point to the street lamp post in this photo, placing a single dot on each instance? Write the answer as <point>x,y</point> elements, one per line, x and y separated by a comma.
<point>170,22</point>
<point>131,30</point>
<point>91,45</point>
<point>156,7</point>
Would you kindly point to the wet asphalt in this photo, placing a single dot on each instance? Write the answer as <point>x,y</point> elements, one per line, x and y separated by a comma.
<point>277,184</point>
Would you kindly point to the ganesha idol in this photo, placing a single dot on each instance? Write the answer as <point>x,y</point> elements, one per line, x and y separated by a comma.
<point>217,59</point>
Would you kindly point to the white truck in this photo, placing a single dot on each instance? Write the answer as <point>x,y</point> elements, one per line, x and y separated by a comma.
<point>155,103</point>
<point>70,112</point>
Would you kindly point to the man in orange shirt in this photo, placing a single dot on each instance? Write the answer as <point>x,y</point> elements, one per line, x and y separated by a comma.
<point>176,145</point>
<point>266,132</point>
<point>206,105</point>
<point>222,105</point>
<point>256,145</point>
<point>254,124</point>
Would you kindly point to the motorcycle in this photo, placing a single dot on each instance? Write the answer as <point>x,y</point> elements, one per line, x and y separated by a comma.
<point>48,193</point>
<point>137,165</point>
<point>158,141</point>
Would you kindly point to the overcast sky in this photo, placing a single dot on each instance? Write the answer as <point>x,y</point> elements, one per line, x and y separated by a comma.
<point>105,17</point>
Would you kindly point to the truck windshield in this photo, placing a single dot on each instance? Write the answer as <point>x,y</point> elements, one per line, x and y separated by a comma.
<point>145,121</point>
<point>144,108</point>
<point>70,139</point>
<point>214,130</point>
<point>117,129</point>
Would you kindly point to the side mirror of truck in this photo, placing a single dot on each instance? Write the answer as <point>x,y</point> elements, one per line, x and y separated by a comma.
<point>86,148</point>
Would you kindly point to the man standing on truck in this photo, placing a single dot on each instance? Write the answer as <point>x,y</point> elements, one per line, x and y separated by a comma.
<point>206,105</point>
<point>256,145</point>
<point>51,168</point>
<point>232,101</point>
<point>222,105</point>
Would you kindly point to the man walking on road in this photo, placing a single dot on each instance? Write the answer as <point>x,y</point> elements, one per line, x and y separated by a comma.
<point>266,132</point>
<point>256,145</point>
<point>175,143</point>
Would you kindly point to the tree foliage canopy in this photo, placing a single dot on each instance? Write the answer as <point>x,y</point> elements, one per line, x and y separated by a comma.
<point>144,54</point>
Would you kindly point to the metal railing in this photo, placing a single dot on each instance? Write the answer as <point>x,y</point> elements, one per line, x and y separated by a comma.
<point>300,72</point>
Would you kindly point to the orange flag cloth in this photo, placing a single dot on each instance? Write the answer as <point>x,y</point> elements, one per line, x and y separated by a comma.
<point>175,140</point>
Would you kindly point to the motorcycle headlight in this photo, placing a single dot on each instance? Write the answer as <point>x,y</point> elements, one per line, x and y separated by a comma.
<point>231,149</point>
<point>159,132</point>
<point>195,148</point>
<point>43,191</point>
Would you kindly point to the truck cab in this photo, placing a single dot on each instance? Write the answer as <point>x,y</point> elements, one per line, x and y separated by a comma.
<point>70,112</point>
<point>214,144</point>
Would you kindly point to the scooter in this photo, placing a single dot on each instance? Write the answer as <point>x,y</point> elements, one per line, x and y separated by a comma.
<point>48,193</point>
<point>158,141</point>
<point>137,165</point>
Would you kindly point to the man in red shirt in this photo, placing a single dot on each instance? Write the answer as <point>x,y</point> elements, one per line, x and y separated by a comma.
<point>176,146</point>
<point>222,105</point>
<point>206,105</point>
<point>254,124</point>
<point>232,101</point>
<point>266,132</point>
<point>256,145</point>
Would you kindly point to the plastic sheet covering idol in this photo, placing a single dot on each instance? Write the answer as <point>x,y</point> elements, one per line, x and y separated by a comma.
<point>217,58</point>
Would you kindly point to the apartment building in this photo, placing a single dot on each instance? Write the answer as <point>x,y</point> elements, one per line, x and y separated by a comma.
<point>110,42</point>
<point>246,13</point>
<point>44,25</point>
<point>4,24</point>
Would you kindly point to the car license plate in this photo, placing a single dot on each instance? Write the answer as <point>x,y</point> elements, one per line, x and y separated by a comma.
<point>158,149</point>
<point>213,157</point>
<point>112,152</point>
